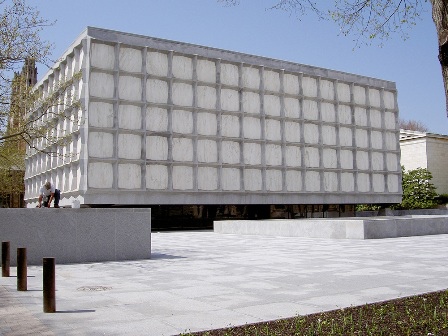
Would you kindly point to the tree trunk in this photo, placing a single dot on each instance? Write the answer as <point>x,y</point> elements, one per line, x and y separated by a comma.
<point>440,17</point>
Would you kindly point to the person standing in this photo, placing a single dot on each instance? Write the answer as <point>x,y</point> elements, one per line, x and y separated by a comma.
<point>47,194</point>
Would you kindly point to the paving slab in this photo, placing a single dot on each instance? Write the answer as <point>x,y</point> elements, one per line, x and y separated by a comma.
<point>204,280</point>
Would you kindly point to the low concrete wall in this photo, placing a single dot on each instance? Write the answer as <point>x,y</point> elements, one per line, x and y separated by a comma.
<point>341,228</point>
<point>77,235</point>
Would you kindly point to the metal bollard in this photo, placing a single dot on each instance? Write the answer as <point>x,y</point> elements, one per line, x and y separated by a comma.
<point>49,283</point>
<point>22,281</point>
<point>5,259</point>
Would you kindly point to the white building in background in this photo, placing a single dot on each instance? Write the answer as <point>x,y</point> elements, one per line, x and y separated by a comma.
<point>166,122</point>
<point>426,150</point>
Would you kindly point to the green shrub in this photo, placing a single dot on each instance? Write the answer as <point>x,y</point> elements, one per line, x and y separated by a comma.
<point>418,191</point>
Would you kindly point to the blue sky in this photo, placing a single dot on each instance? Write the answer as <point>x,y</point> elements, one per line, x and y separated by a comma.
<point>254,29</point>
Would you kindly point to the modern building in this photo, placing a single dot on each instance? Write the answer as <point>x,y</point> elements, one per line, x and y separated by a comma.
<point>171,123</point>
<point>426,150</point>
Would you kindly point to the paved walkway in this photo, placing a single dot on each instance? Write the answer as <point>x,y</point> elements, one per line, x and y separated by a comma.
<point>204,280</point>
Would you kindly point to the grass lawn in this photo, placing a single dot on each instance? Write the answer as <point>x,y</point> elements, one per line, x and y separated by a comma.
<point>425,314</point>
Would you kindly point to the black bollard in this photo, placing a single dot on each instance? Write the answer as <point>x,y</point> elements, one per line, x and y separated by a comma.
<point>5,259</point>
<point>22,284</point>
<point>49,283</point>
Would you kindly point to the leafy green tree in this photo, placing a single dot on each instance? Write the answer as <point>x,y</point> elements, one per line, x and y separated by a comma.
<point>418,191</point>
<point>368,20</point>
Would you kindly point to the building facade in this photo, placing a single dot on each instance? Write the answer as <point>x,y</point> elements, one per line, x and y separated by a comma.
<point>426,150</point>
<point>12,187</point>
<point>165,122</point>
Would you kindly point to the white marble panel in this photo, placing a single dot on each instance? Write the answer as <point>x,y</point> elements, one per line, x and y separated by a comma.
<point>311,133</point>
<point>291,84</point>
<point>157,177</point>
<point>273,155</point>
<point>129,176</point>
<point>102,56</point>
<point>392,162</point>
<point>391,141</point>
<point>389,100</point>
<point>130,117</point>
<point>328,112</point>
<point>156,91</point>
<point>330,158</point>
<point>344,114</point>
<point>274,180</point>
<point>363,181</point>
<point>292,108</point>
<point>311,157</point>
<point>377,161</point>
<point>392,183</point>
<point>129,146</point>
<point>331,181</point>
<point>101,145</point>
<point>206,97</point>
<point>182,94</point>
<point>271,81</point>
<point>206,71</point>
<point>375,119</point>
<point>252,153</point>
<point>230,100</point>
<point>347,182</point>
<point>182,67</point>
<point>374,97</point>
<point>230,151</point>
<point>156,148</point>
<point>157,63</point>
<point>293,156</point>
<point>343,92</point>
<point>359,95</point>
<point>182,178</point>
<point>378,183</point>
<point>292,131</point>
<point>130,59</point>
<point>251,102</point>
<point>207,178</point>
<point>389,120</point>
<point>345,136</point>
<point>206,123</point>
<point>309,87</point>
<point>360,116</point>
<point>101,114</point>
<point>101,85</point>
<point>272,105</point>
<point>229,74</point>
<point>100,175</point>
<point>328,135</point>
<point>182,149</point>
<point>182,122</point>
<point>230,179</point>
<point>327,89</point>
<point>361,138</point>
<point>362,160</point>
<point>312,181</point>
<point>310,110</point>
<point>207,151</point>
<point>251,78</point>
<point>377,140</point>
<point>156,119</point>
<point>273,130</point>
<point>293,180</point>
<point>130,88</point>
<point>252,128</point>
<point>252,180</point>
<point>230,126</point>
